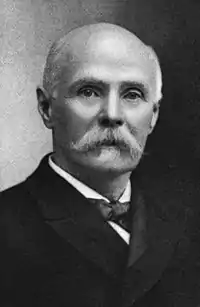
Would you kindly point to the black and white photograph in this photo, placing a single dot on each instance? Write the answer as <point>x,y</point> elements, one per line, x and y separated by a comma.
<point>99,153</point>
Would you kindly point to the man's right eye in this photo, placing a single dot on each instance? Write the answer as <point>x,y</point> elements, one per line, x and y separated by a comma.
<point>88,92</point>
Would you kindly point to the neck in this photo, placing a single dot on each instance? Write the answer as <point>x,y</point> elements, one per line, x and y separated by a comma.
<point>109,184</point>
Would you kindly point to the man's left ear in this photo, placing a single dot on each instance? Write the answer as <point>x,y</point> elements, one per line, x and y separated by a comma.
<point>154,117</point>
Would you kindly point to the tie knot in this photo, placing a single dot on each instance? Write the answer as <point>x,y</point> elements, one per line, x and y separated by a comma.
<point>115,211</point>
<point>117,208</point>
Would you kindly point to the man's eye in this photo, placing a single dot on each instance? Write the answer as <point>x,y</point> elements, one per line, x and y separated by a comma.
<point>88,92</point>
<point>133,95</point>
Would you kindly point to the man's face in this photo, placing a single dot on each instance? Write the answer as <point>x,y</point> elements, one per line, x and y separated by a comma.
<point>103,111</point>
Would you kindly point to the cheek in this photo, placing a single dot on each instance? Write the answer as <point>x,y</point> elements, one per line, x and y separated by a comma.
<point>141,118</point>
<point>71,120</point>
<point>83,109</point>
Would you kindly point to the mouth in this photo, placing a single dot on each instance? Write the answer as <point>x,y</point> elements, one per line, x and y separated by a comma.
<point>115,144</point>
<point>109,143</point>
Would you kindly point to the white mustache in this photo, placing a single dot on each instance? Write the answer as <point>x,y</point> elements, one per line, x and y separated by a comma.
<point>97,137</point>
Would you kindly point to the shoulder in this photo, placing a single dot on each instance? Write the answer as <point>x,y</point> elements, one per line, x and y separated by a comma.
<point>16,204</point>
<point>15,197</point>
<point>11,198</point>
<point>170,186</point>
<point>174,195</point>
<point>10,193</point>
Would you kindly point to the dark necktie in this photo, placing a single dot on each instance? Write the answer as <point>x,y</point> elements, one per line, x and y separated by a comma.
<point>114,211</point>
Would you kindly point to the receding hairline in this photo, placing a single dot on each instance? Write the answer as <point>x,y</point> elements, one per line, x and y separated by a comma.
<point>62,47</point>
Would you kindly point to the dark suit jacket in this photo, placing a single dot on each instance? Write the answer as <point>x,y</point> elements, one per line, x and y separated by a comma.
<point>56,249</point>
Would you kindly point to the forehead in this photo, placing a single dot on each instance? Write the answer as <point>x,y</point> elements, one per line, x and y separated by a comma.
<point>112,60</point>
<point>108,74</point>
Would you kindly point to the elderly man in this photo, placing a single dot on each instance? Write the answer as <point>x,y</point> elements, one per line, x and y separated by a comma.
<point>84,229</point>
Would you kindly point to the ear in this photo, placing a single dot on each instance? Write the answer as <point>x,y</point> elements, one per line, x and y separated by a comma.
<point>154,117</point>
<point>45,106</point>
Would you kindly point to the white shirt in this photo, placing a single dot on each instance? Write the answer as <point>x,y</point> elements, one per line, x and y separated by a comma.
<point>90,193</point>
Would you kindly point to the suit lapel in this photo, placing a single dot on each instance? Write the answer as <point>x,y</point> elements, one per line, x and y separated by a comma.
<point>76,220</point>
<point>152,244</point>
<point>79,223</point>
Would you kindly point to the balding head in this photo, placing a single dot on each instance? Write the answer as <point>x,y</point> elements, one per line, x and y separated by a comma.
<point>94,41</point>
<point>105,84</point>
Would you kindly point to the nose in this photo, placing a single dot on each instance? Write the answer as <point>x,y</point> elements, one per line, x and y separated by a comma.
<point>111,115</point>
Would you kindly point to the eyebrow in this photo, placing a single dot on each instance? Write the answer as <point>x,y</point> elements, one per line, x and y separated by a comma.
<point>85,81</point>
<point>98,82</point>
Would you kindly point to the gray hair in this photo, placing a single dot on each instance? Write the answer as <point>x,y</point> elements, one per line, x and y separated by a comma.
<point>55,62</point>
<point>159,84</point>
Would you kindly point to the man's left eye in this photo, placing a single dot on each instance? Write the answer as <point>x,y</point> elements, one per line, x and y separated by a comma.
<point>133,94</point>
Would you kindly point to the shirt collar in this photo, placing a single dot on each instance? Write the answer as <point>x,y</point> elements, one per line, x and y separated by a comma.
<point>84,189</point>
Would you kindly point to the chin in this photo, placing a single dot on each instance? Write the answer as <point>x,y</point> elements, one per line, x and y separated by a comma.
<point>110,160</point>
<point>110,165</point>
